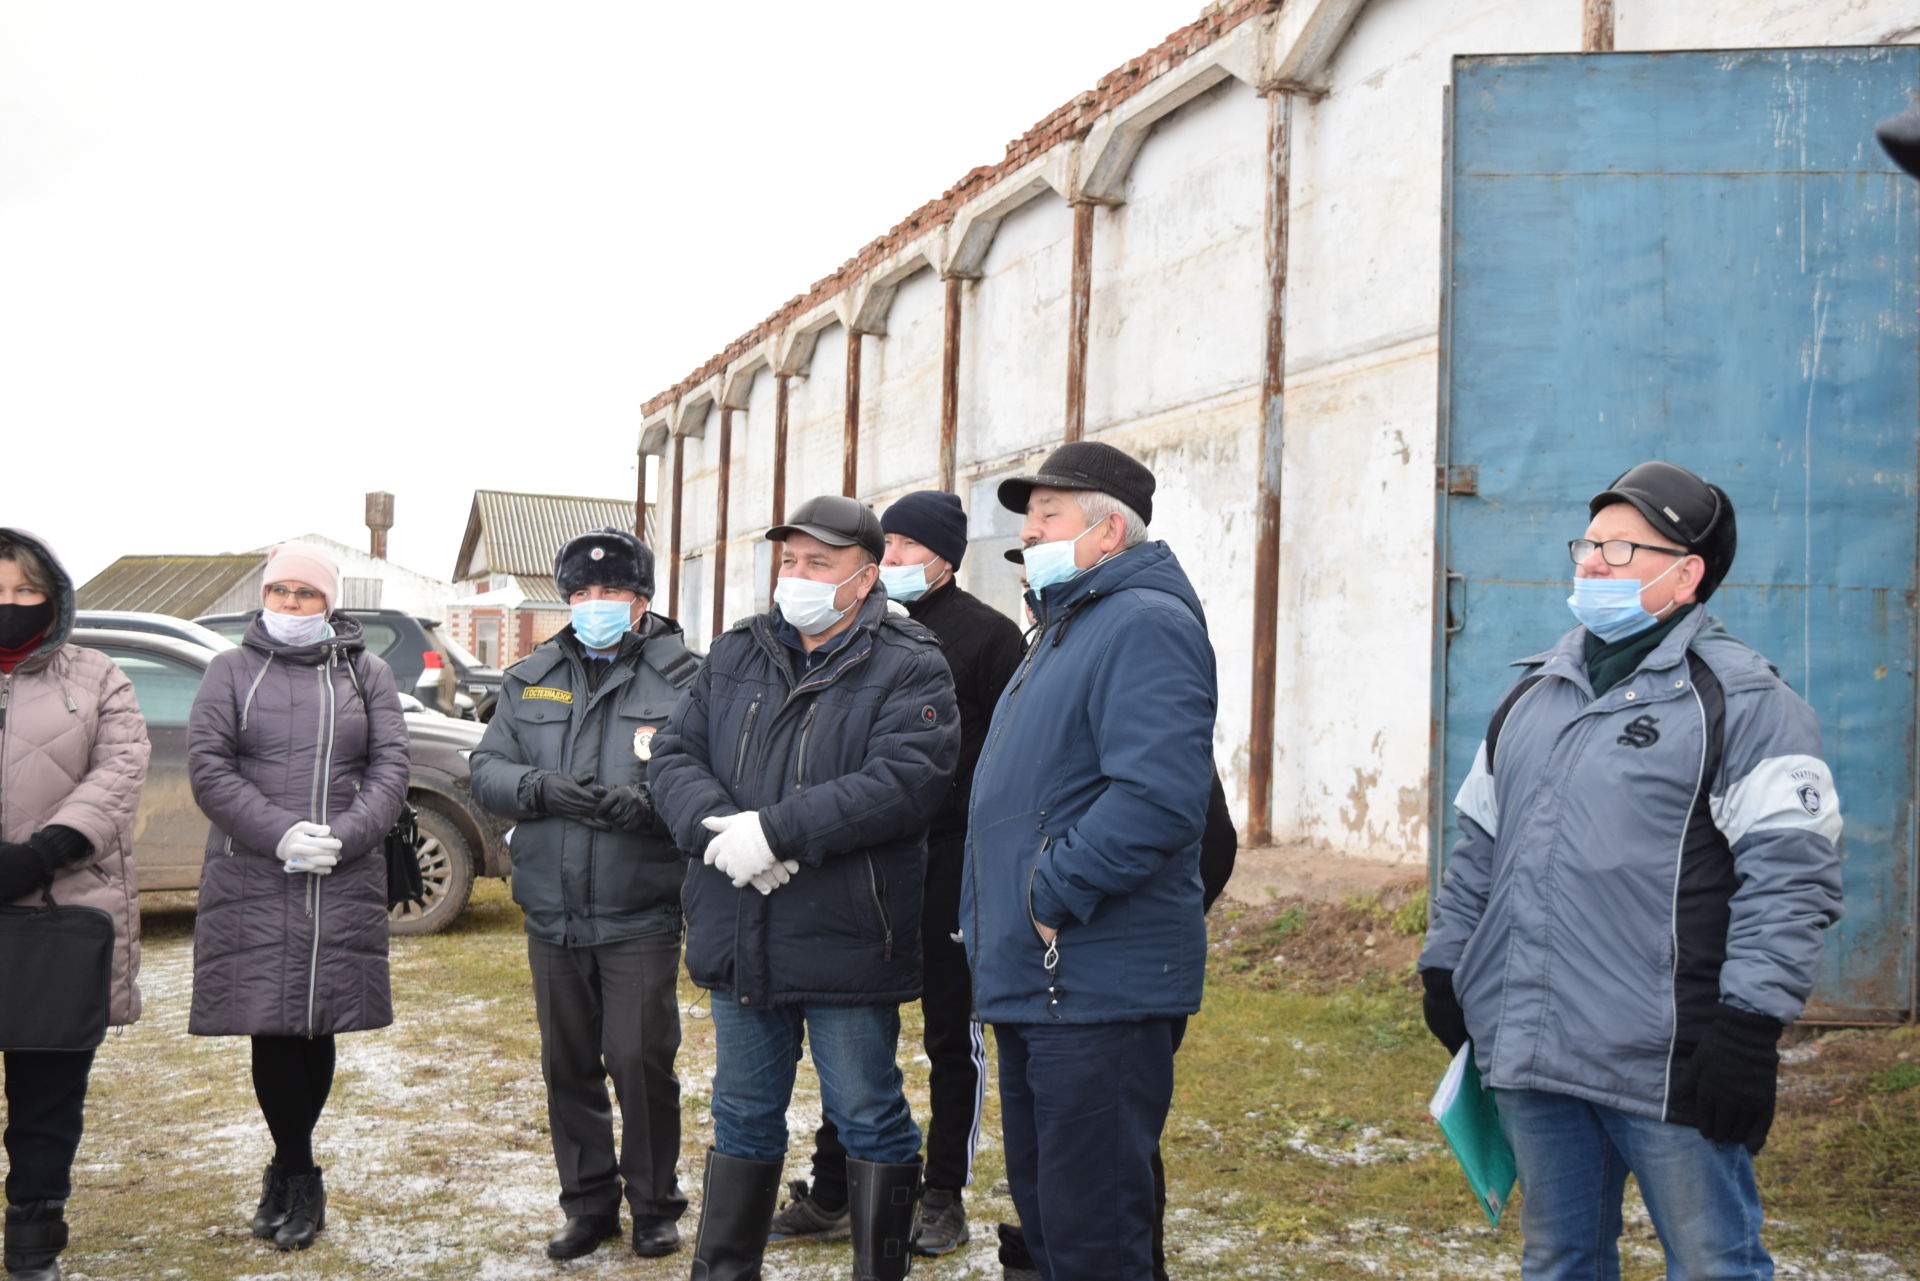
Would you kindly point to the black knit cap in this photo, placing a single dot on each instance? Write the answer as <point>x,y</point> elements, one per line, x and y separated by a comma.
<point>932,518</point>
<point>604,557</point>
<point>1693,513</point>
<point>835,521</point>
<point>1085,464</point>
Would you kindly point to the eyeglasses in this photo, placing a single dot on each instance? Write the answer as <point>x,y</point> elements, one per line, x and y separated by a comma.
<point>305,595</point>
<point>1616,551</point>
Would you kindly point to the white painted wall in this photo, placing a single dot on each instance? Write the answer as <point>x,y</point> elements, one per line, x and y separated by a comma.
<point>1174,364</point>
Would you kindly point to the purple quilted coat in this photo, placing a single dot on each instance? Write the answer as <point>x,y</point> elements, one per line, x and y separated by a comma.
<point>281,734</point>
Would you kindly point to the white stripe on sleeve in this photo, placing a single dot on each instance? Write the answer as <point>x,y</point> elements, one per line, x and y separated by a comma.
<point>1477,799</point>
<point>1781,791</point>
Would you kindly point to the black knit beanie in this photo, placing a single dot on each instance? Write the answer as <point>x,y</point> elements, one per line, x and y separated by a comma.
<point>933,519</point>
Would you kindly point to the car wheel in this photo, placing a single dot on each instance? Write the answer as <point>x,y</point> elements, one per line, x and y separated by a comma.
<point>446,871</point>
<point>484,712</point>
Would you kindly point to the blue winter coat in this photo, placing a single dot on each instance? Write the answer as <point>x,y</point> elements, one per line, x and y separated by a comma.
<point>1089,802</point>
<point>845,769</point>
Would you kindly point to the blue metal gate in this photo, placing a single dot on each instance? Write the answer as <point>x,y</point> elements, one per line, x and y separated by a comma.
<point>1702,257</point>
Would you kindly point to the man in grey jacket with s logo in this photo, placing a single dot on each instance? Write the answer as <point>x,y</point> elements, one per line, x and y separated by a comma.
<point>1633,913</point>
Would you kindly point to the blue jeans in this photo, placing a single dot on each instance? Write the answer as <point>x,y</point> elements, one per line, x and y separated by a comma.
<point>1574,1158</point>
<point>861,1090</point>
<point>1081,1109</point>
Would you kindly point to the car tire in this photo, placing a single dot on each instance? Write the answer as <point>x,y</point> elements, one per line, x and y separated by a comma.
<point>446,870</point>
<point>484,712</point>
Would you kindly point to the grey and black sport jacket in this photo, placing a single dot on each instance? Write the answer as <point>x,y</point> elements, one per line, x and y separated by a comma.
<point>1627,861</point>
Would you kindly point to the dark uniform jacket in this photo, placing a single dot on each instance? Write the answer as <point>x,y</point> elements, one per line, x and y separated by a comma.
<point>581,886</point>
<point>845,767</point>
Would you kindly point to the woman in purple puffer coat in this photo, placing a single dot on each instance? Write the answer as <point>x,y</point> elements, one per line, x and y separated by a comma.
<point>297,750</point>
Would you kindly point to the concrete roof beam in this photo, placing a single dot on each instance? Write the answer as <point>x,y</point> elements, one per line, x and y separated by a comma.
<point>975,225</point>
<point>1304,36</point>
<point>1115,140</point>
<point>692,417</point>
<point>736,383</point>
<point>791,351</point>
<point>654,432</point>
<point>927,253</point>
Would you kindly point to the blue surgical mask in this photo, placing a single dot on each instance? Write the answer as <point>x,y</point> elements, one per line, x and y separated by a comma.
<point>600,623</point>
<point>906,582</point>
<point>1050,563</point>
<point>808,605</point>
<point>1610,607</point>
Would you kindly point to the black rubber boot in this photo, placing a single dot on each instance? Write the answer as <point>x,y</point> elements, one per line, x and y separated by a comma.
<point>272,1210</point>
<point>882,1199</point>
<point>36,1234</point>
<point>736,1208</point>
<point>306,1211</point>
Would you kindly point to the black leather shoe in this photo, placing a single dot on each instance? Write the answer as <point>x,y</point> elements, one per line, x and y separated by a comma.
<point>272,1211</point>
<point>582,1235</point>
<point>655,1236</point>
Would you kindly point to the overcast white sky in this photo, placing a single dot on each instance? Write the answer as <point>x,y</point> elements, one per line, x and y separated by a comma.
<point>258,259</point>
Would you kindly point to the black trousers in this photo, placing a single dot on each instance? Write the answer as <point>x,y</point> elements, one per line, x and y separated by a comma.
<point>956,1045</point>
<point>292,1077</point>
<point>46,1099</point>
<point>612,1011</point>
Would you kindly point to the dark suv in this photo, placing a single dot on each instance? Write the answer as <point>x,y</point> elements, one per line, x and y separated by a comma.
<point>417,651</point>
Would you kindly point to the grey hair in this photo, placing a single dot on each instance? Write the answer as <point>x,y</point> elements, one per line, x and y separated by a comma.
<point>33,567</point>
<point>1097,506</point>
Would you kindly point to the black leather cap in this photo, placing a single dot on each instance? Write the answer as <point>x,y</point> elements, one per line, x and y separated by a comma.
<point>1693,513</point>
<point>1085,464</point>
<point>835,521</point>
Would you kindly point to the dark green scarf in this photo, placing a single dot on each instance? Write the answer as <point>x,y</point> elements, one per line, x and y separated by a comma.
<point>1609,663</point>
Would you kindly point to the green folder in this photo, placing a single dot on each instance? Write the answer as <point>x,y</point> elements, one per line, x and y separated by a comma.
<point>1464,1108</point>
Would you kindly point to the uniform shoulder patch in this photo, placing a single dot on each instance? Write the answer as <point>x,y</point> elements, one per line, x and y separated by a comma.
<point>928,716</point>
<point>548,693</point>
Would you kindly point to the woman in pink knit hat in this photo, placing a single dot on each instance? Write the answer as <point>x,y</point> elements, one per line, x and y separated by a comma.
<point>297,751</point>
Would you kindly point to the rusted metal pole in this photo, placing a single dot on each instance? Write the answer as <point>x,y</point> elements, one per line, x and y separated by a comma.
<point>950,385</point>
<point>850,447</point>
<point>1079,297</point>
<point>1596,27</point>
<point>1266,554</point>
<point>779,467</point>
<point>673,548</point>
<point>720,524</point>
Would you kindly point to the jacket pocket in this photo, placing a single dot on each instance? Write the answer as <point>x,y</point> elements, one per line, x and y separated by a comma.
<point>876,888</point>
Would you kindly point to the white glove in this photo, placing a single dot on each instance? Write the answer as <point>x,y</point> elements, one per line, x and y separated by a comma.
<point>739,849</point>
<point>774,877</point>
<point>308,847</point>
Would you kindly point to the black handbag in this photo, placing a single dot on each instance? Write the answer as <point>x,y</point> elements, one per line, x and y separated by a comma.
<point>57,988</point>
<point>402,845</point>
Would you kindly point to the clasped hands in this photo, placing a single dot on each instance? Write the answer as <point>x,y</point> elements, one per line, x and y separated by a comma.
<point>740,852</point>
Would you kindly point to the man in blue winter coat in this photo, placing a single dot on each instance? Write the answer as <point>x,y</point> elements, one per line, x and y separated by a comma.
<point>802,772</point>
<point>1633,913</point>
<point>1081,904</point>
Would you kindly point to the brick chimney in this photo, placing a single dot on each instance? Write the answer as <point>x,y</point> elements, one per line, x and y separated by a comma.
<point>379,521</point>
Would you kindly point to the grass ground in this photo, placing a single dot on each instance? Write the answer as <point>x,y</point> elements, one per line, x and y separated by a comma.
<point>1298,1147</point>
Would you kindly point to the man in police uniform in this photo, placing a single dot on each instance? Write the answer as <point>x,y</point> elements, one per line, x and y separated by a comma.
<point>599,878</point>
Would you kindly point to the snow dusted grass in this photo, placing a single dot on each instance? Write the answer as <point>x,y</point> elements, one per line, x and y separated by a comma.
<point>1298,1145</point>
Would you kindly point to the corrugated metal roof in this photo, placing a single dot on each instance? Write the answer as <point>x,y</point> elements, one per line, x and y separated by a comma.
<point>184,586</point>
<point>521,532</point>
<point>539,589</point>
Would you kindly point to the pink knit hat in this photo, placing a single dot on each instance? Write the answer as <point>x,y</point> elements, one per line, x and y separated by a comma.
<point>303,563</point>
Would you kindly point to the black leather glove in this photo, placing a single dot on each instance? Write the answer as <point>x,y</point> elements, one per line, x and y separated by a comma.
<point>60,846</point>
<point>22,870</point>
<point>624,809</point>
<point>1736,1071</point>
<point>574,796</point>
<point>1445,1019</point>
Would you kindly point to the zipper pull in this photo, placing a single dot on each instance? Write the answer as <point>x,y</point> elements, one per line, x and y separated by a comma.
<point>6,692</point>
<point>70,704</point>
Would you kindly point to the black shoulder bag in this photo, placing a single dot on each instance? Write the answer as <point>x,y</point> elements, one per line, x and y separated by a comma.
<point>401,844</point>
<point>59,963</point>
